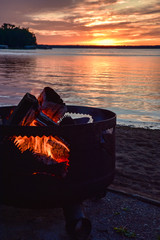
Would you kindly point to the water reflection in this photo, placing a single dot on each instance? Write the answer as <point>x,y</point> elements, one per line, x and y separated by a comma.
<point>13,66</point>
<point>14,73</point>
<point>120,82</point>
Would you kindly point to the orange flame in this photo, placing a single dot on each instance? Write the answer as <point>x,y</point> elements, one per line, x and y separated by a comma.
<point>51,147</point>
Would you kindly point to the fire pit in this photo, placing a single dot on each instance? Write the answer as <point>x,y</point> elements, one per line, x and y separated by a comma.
<point>90,166</point>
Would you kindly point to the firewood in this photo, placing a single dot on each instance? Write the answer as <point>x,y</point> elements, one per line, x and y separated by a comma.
<point>43,120</point>
<point>59,150</point>
<point>48,94</point>
<point>46,111</point>
<point>38,164</point>
<point>51,104</point>
<point>25,111</point>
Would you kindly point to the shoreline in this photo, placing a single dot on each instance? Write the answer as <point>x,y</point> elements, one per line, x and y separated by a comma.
<point>50,46</point>
<point>137,161</point>
<point>138,124</point>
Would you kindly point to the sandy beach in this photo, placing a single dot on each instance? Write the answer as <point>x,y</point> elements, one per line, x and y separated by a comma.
<point>137,172</point>
<point>138,161</point>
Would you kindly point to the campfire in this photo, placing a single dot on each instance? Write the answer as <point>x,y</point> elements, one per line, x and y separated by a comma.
<point>56,155</point>
<point>48,110</point>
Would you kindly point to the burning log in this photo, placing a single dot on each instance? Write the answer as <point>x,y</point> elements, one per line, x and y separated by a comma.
<point>51,153</point>
<point>49,108</point>
<point>42,165</point>
<point>59,151</point>
<point>43,120</point>
<point>51,104</point>
<point>51,147</point>
<point>25,112</point>
<point>29,163</point>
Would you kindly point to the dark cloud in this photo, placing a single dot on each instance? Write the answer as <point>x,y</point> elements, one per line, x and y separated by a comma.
<point>18,10</point>
<point>141,10</point>
<point>110,26</point>
<point>35,5</point>
<point>100,2</point>
<point>56,25</point>
<point>153,32</point>
<point>152,11</point>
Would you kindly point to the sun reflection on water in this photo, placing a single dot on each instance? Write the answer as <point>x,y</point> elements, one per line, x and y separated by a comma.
<point>121,80</point>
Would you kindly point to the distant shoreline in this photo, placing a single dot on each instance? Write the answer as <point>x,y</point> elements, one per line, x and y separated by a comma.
<point>43,46</point>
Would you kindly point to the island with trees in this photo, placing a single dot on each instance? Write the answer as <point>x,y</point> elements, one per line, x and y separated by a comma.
<point>16,37</point>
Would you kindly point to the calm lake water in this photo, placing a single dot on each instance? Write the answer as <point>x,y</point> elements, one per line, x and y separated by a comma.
<point>126,81</point>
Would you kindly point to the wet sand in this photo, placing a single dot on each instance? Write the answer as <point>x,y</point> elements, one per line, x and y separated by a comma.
<point>138,161</point>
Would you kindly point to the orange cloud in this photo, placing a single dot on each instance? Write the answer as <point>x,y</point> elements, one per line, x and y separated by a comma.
<point>104,22</point>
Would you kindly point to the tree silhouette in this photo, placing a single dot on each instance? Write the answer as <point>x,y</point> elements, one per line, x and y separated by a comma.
<point>16,37</point>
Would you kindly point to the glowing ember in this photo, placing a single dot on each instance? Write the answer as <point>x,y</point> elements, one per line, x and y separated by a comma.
<point>53,148</point>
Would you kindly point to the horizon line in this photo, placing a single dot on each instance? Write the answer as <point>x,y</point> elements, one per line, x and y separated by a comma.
<point>99,46</point>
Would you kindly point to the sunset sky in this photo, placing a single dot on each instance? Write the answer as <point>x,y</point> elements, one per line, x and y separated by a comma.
<point>94,22</point>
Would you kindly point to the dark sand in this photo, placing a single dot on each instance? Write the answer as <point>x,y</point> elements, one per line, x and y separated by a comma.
<point>137,172</point>
<point>138,161</point>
